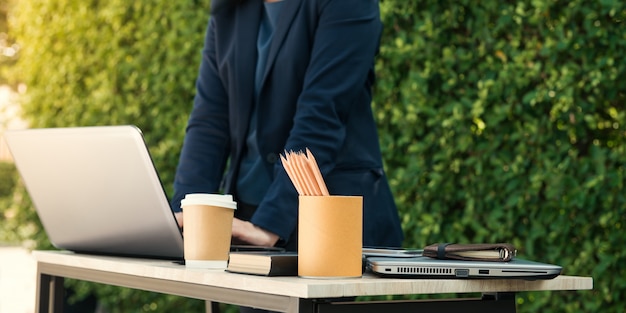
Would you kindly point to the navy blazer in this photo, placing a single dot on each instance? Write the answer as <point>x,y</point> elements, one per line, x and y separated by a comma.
<point>316,94</point>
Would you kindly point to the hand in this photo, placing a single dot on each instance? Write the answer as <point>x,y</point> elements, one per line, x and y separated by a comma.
<point>244,231</point>
<point>179,219</point>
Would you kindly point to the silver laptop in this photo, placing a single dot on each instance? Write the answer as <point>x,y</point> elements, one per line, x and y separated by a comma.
<point>426,267</point>
<point>96,190</point>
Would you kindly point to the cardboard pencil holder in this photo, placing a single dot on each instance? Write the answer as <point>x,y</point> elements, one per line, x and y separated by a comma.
<point>330,236</point>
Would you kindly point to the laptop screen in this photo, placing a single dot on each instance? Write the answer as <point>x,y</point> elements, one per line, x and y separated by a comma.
<point>96,190</point>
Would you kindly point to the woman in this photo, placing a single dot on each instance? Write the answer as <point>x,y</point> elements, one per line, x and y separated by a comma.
<point>287,75</point>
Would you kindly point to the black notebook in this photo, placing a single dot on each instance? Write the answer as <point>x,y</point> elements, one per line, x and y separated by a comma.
<point>265,263</point>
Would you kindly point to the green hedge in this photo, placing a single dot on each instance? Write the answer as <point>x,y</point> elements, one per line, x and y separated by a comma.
<point>499,120</point>
<point>8,49</point>
<point>114,62</point>
<point>505,121</point>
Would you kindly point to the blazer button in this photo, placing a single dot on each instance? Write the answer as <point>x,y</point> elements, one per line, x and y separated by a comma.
<point>271,158</point>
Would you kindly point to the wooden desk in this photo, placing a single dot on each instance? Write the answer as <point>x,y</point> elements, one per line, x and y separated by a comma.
<point>285,294</point>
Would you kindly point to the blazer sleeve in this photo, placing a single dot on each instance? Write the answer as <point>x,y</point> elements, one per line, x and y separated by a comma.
<point>344,45</point>
<point>206,145</point>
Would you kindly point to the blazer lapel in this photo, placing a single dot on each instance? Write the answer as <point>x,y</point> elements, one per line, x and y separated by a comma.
<point>287,15</point>
<point>247,22</point>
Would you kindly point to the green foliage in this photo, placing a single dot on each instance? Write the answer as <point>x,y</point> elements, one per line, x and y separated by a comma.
<point>112,63</point>
<point>18,220</point>
<point>9,50</point>
<point>9,177</point>
<point>504,121</point>
<point>499,120</point>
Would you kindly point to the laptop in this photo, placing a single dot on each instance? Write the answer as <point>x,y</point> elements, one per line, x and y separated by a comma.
<point>426,267</point>
<point>96,190</point>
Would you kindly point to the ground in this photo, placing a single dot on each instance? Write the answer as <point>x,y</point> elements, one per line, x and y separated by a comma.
<point>17,280</point>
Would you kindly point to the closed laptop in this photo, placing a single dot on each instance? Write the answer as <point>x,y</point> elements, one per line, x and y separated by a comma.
<point>426,267</point>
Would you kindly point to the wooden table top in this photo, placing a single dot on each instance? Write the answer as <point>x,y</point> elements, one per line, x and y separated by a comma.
<point>368,285</point>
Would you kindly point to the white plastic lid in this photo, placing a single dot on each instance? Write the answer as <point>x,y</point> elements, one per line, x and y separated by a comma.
<point>209,199</point>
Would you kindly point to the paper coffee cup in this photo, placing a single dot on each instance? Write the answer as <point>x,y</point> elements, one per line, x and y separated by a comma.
<point>207,229</point>
<point>330,236</point>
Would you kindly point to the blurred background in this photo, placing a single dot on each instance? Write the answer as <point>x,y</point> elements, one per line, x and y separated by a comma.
<point>500,121</point>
